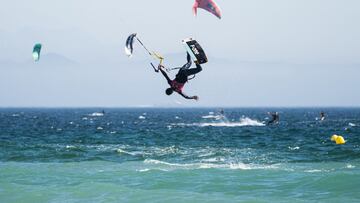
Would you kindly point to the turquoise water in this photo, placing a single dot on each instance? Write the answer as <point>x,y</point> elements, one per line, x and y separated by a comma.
<point>178,155</point>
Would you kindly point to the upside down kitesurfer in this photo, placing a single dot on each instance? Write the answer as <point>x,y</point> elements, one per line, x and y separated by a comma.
<point>181,78</point>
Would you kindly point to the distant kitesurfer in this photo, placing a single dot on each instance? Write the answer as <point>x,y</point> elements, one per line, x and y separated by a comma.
<point>181,78</point>
<point>275,118</point>
<point>222,112</point>
<point>322,116</point>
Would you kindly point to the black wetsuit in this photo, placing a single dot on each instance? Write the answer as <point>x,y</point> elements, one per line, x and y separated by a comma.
<point>322,116</point>
<point>275,118</point>
<point>182,76</point>
<point>185,71</point>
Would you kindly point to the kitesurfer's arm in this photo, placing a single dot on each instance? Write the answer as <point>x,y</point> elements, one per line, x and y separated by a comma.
<point>187,97</point>
<point>164,74</point>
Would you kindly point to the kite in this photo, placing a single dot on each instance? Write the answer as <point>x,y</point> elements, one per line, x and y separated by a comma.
<point>208,5</point>
<point>36,52</point>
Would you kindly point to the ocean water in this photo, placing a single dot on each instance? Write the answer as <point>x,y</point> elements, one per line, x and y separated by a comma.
<point>178,155</point>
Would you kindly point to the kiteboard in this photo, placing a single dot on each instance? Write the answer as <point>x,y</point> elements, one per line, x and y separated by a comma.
<point>194,49</point>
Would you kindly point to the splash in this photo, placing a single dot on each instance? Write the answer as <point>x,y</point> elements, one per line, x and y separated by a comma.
<point>217,117</point>
<point>121,151</point>
<point>352,124</point>
<point>70,147</point>
<point>294,148</point>
<point>243,122</point>
<point>349,166</point>
<point>95,114</point>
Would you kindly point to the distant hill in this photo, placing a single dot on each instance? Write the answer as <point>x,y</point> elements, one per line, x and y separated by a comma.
<point>52,60</point>
<point>46,60</point>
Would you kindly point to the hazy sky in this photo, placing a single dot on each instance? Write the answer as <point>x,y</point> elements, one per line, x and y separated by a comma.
<point>261,53</point>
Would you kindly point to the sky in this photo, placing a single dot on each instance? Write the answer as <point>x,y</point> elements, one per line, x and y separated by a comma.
<point>279,53</point>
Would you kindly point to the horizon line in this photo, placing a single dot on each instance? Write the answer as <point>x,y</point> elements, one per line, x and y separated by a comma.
<point>165,107</point>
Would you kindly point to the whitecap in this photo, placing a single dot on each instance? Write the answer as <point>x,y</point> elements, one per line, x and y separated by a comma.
<point>243,122</point>
<point>294,148</point>
<point>135,153</point>
<point>70,147</point>
<point>217,117</point>
<point>148,169</point>
<point>212,160</point>
<point>350,166</point>
<point>313,171</point>
<point>121,151</point>
<point>96,114</point>
<point>143,170</point>
<point>233,166</point>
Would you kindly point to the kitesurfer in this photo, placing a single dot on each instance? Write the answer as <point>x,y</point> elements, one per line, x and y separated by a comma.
<point>222,113</point>
<point>181,78</point>
<point>275,118</point>
<point>322,116</point>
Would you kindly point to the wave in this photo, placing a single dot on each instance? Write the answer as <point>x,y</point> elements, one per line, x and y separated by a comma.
<point>217,117</point>
<point>349,166</point>
<point>315,171</point>
<point>95,114</point>
<point>71,147</point>
<point>294,148</point>
<point>202,165</point>
<point>121,151</point>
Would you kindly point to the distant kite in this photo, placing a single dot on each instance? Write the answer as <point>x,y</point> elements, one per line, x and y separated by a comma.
<point>129,45</point>
<point>208,5</point>
<point>36,52</point>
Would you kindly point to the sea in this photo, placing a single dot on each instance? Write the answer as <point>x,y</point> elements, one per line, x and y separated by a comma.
<point>178,155</point>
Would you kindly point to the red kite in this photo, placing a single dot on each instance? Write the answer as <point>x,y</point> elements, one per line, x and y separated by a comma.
<point>208,5</point>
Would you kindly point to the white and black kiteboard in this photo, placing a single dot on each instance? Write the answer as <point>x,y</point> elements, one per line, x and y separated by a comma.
<point>195,50</point>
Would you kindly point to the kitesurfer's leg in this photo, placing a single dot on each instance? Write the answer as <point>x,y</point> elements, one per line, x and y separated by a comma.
<point>193,71</point>
<point>187,65</point>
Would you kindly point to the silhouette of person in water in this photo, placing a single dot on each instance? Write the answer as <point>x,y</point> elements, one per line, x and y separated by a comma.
<point>275,118</point>
<point>322,116</point>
